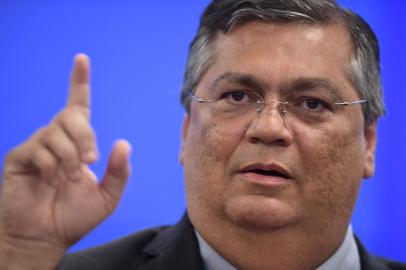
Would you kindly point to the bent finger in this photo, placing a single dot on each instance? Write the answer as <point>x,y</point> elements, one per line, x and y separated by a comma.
<point>81,133</point>
<point>64,150</point>
<point>47,165</point>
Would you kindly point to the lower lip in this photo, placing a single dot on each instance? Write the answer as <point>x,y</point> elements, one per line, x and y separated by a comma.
<point>264,179</point>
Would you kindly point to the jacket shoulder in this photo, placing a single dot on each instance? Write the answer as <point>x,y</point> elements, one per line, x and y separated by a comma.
<point>369,262</point>
<point>389,264</point>
<point>159,248</point>
<point>124,253</point>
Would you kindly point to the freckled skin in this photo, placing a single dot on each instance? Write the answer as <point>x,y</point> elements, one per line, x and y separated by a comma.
<point>247,222</point>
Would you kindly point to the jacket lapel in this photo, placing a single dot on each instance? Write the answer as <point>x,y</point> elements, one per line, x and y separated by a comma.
<point>369,262</point>
<point>177,248</point>
<point>174,248</point>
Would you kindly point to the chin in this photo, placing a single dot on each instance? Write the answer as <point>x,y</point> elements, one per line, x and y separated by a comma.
<point>261,213</point>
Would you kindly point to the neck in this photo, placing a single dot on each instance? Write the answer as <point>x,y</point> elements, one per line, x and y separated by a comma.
<point>293,247</point>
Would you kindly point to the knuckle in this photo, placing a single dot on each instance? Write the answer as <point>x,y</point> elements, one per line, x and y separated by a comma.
<point>39,132</point>
<point>69,154</point>
<point>44,161</point>
<point>74,123</point>
<point>65,115</point>
<point>86,135</point>
<point>37,135</point>
<point>60,145</point>
<point>48,134</point>
<point>19,152</point>
<point>81,132</point>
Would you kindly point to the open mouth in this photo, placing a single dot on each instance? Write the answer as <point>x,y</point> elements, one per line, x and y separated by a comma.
<point>274,173</point>
<point>266,172</point>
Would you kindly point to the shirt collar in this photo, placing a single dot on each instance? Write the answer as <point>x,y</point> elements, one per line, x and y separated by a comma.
<point>346,256</point>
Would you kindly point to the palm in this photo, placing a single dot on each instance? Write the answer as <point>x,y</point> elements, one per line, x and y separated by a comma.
<point>50,213</point>
<point>40,202</point>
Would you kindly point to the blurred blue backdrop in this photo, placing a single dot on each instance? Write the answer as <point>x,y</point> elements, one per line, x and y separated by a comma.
<point>138,51</point>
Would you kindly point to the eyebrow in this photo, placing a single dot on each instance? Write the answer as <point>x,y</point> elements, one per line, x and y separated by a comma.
<point>295,85</point>
<point>310,83</point>
<point>244,79</point>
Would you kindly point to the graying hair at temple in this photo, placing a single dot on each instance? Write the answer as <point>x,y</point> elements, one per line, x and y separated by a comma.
<point>222,15</point>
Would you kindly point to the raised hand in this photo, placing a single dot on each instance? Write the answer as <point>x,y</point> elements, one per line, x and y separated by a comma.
<point>49,197</point>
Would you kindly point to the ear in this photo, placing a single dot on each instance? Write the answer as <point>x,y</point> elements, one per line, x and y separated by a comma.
<point>369,155</point>
<point>185,130</point>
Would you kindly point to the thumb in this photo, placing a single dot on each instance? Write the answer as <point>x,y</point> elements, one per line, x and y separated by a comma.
<point>118,170</point>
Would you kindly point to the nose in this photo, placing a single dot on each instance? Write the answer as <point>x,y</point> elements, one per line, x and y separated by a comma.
<point>270,125</point>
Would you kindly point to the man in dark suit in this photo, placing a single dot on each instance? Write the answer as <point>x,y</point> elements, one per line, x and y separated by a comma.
<point>282,100</point>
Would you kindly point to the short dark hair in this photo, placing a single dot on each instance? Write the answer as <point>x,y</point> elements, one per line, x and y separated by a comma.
<point>222,15</point>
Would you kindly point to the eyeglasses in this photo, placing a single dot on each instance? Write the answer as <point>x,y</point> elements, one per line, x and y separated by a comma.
<point>313,107</point>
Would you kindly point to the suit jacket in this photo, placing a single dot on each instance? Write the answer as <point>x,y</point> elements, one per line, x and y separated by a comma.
<point>169,248</point>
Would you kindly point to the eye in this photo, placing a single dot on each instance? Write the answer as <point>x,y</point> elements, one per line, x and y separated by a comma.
<point>240,97</point>
<point>313,104</point>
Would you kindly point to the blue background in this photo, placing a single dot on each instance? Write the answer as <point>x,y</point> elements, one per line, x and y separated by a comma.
<point>138,51</point>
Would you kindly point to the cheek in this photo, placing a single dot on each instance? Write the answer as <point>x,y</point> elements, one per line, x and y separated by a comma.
<point>333,167</point>
<point>209,146</point>
<point>211,141</point>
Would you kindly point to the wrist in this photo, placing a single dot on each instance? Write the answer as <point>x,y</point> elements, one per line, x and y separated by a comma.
<point>16,254</point>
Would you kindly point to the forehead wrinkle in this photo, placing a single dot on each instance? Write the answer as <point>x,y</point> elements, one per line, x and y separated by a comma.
<point>311,83</point>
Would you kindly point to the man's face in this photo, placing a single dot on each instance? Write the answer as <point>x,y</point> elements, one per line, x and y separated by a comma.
<point>271,171</point>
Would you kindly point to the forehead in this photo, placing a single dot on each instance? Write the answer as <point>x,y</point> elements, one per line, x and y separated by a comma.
<point>280,53</point>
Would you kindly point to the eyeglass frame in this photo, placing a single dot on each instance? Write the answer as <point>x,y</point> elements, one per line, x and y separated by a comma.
<point>261,102</point>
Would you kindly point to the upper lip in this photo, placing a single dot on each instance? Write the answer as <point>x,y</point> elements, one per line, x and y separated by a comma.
<point>272,168</point>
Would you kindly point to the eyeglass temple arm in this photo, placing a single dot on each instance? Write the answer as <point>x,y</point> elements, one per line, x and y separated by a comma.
<point>197,99</point>
<point>346,103</point>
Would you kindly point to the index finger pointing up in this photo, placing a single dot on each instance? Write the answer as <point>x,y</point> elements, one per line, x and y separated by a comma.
<point>79,93</point>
